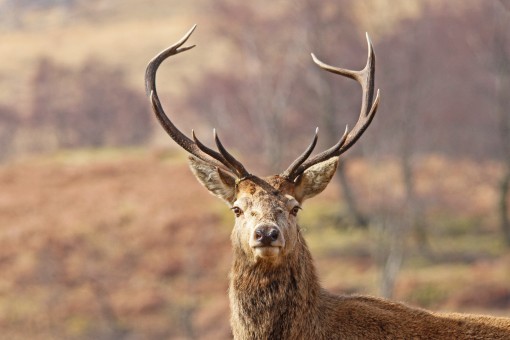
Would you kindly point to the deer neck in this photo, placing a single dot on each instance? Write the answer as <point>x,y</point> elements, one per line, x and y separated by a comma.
<point>271,301</point>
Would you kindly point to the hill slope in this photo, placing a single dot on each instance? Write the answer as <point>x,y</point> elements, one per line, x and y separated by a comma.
<point>98,244</point>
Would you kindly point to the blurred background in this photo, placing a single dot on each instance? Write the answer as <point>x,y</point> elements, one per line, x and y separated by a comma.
<point>105,234</point>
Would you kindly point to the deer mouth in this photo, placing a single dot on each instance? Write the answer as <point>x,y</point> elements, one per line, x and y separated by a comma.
<point>264,251</point>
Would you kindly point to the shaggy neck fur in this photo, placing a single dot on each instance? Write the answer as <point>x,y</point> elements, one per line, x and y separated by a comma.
<point>273,301</point>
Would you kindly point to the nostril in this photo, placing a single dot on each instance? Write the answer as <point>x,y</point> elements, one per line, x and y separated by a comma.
<point>259,234</point>
<point>266,235</point>
<point>273,234</point>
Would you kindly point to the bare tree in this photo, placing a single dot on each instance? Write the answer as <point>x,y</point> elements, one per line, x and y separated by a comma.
<point>9,125</point>
<point>489,44</point>
<point>501,55</point>
<point>266,86</point>
<point>318,23</point>
<point>86,107</point>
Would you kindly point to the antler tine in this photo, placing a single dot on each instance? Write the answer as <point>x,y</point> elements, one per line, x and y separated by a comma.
<point>369,105</point>
<point>301,158</point>
<point>152,67</point>
<point>226,158</point>
<point>194,147</point>
<point>234,163</point>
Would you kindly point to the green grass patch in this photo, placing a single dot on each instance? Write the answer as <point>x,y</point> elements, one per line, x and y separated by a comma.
<point>456,225</point>
<point>428,295</point>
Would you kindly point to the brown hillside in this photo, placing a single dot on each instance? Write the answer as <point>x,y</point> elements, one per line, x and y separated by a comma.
<point>91,248</point>
<point>103,244</point>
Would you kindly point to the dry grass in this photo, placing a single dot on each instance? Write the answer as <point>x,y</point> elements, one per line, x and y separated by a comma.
<point>107,232</point>
<point>95,244</point>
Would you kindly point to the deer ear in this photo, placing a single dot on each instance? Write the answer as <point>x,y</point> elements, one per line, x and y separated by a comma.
<point>315,179</point>
<point>219,182</point>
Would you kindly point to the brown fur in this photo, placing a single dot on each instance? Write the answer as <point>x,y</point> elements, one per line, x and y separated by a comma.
<point>280,297</point>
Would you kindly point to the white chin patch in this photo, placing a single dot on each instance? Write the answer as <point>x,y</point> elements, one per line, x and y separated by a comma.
<point>266,252</point>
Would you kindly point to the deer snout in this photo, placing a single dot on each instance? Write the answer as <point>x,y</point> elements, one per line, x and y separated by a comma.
<point>267,235</point>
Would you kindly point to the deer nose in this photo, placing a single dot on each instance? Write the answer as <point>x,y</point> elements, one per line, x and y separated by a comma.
<point>265,235</point>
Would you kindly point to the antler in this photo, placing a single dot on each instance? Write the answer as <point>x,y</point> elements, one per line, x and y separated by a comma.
<point>368,109</point>
<point>222,159</point>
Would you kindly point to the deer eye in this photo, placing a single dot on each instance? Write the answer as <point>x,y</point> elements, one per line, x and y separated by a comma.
<point>237,211</point>
<point>295,210</point>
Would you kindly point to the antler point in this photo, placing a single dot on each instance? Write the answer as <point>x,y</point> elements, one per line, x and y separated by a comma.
<point>315,59</point>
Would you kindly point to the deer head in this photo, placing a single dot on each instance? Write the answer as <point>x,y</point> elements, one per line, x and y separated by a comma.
<point>265,208</point>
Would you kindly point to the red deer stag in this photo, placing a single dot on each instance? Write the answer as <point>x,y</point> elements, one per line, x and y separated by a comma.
<point>274,291</point>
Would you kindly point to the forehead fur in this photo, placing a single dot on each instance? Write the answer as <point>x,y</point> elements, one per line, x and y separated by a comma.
<point>273,185</point>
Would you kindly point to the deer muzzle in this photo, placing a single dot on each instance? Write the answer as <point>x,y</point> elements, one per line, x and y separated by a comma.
<point>267,240</point>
